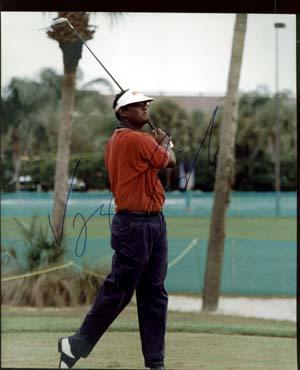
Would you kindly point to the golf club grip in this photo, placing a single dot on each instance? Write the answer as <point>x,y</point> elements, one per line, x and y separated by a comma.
<point>154,128</point>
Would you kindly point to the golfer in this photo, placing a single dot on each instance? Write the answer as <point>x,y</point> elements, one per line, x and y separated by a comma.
<point>138,236</point>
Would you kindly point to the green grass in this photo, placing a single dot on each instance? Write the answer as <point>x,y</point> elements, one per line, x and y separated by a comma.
<point>183,351</point>
<point>193,341</point>
<point>20,320</point>
<point>266,228</point>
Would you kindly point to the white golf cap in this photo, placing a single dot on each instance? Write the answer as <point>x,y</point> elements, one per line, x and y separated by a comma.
<point>130,97</point>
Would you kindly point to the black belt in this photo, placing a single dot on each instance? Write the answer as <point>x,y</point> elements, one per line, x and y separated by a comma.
<point>139,214</point>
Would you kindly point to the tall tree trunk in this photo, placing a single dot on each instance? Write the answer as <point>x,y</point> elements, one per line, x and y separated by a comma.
<point>224,172</point>
<point>63,151</point>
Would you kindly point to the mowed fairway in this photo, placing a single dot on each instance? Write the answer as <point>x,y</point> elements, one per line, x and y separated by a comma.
<point>119,350</point>
<point>193,341</point>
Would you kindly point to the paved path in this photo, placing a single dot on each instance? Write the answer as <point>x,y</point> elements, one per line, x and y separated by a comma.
<point>269,308</point>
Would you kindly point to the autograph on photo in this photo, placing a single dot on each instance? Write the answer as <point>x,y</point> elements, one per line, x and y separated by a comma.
<point>100,210</point>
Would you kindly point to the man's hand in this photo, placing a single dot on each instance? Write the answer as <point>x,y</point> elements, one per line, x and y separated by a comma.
<point>165,140</point>
<point>161,137</point>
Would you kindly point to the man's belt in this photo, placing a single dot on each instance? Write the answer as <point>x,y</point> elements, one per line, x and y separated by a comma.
<point>139,214</point>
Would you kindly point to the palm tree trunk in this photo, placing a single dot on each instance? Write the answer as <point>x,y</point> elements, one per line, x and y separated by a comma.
<point>224,173</point>
<point>63,151</point>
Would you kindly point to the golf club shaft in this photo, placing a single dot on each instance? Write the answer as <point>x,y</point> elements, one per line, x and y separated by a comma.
<point>78,35</point>
<point>61,21</point>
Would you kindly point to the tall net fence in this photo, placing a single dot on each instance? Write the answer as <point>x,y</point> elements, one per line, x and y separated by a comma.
<point>190,203</point>
<point>250,267</point>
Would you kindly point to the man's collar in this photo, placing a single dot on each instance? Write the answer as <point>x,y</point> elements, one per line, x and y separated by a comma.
<point>124,125</point>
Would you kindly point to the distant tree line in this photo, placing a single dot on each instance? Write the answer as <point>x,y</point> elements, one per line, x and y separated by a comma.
<point>30,115</point>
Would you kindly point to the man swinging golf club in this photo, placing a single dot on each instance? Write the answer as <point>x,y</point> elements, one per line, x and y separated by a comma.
<point>133,159</point>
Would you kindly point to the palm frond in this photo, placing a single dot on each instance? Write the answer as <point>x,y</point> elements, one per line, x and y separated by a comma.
<point>103,81</point>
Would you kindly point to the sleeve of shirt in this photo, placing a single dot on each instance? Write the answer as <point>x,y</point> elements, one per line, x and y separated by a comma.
<point>152,152</point>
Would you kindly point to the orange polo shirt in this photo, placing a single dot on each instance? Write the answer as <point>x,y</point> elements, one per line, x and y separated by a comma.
<point>133,160</point>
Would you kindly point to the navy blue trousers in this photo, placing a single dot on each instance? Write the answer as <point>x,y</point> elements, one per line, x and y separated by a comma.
<point>139,264</point>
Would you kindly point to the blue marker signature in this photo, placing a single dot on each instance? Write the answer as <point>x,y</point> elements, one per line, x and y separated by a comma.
<point>100,208</point>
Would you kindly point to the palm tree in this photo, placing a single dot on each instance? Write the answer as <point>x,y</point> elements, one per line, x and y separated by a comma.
<point>256,133</point>
<point>71,48</point>
<point>224,172</point>
<point>22,118</point>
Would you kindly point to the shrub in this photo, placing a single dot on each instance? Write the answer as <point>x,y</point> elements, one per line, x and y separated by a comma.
<point>56,289</point>
<point>40,249</point>
<point>64,287</point>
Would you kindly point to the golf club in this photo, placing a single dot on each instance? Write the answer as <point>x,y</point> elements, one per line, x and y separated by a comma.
<point>59,22</point>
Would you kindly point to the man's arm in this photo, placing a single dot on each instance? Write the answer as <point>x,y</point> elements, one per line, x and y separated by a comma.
<point>165,141</point>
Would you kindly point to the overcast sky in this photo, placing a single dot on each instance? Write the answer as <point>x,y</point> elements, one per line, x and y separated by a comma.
<point>173,53</point>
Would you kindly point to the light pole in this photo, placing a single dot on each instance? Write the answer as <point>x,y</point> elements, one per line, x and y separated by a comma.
<point>277,122</point>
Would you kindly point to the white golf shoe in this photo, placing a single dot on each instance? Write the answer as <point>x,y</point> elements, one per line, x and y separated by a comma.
<point>67,359</point>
